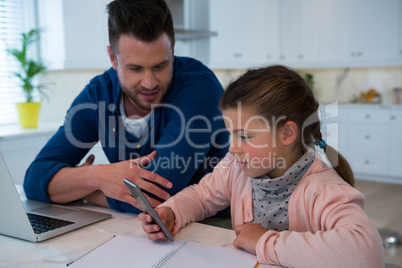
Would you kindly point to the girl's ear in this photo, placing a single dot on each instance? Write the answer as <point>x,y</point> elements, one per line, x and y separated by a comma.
<point>289,133</point>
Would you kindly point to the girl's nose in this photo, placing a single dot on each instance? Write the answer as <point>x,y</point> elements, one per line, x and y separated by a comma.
<point>235,147</point>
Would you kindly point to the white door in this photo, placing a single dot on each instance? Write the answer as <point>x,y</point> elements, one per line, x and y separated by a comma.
<point>379,30</point>
<point>338,30</point>
<point>299,31</point>
<point>248,33</point>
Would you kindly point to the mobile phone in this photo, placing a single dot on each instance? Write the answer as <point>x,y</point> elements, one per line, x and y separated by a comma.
<point>146,207</point>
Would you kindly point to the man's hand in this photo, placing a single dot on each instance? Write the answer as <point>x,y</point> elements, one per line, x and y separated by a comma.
<point>152,229</point>
<point>248,235</point>
<point>112,185</point>
<point>89,161</point>
<point>95,182</point>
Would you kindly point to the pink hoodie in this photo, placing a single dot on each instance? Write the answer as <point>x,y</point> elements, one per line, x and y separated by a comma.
<point>327,224</point>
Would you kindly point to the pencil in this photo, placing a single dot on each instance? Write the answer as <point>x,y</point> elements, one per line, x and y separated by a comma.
<point>71,262</point>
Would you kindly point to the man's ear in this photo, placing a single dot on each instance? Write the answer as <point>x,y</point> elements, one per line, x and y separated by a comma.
<point>289,133</point>
<point>112,57</point>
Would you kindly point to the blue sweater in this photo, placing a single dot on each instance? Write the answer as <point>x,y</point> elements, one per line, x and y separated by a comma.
<point>186,131</point>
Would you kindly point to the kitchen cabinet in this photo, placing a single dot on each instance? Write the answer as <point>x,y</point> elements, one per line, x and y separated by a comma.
<point>191,23</point>
<point>299,32</point>
<point>337,30</point>
<point>75,35</point>
<point>306,34</point>
<point>19,148</point>
<point>332,129</point>
<point>248,33</point>
<point>19,154</point>
<point>395,118</point>
<point>380,30</point>
<point>368,137</point>
<point>76,32</point>
<point>400,30</point>
<point>359,33</point>
<point>367,151</point>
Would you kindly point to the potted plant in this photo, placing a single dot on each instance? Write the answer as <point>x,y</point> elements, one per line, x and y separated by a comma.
<point>29,69</point>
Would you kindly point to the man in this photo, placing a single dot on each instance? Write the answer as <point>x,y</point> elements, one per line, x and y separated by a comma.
<point>156,116</point>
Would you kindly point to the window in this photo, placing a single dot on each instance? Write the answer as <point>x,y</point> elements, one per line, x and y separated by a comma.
<point>16,16</point>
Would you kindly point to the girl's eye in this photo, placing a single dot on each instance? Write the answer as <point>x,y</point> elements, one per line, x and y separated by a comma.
<point>244,137</point>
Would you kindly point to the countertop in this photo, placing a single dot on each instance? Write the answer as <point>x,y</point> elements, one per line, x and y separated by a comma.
<point>59,251</point>
<point>13,131</point>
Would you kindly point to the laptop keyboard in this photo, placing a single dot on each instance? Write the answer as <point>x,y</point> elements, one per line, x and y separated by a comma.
<point>43,224</point>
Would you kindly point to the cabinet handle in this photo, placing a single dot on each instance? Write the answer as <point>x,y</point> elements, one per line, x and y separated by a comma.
<point>366,161</point>
<point>268,56</point>
<point>367,137</point>
<point>237,55</point>
<point>282,57</point>
<point>353,54</point>
<point>301,56</point>
<point>393,117</point>
<point>359,54</point>
<point>367,116</point>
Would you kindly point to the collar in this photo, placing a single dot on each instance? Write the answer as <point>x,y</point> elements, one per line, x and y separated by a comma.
<point>295,172</point>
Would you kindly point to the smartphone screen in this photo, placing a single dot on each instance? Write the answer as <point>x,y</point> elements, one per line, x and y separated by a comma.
<point>146,207</point>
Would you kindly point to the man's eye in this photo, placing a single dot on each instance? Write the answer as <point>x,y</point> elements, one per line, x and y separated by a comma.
<point>135,69</point>
<point>243,137</point>
<point>158,68</point>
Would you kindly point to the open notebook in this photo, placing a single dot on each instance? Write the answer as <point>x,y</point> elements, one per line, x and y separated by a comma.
<point>122,251</point>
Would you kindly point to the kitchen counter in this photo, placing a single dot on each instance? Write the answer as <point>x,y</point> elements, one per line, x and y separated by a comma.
<point>13,131</point>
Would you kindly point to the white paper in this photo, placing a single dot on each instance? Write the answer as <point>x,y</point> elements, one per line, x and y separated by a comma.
<point>124,251</point>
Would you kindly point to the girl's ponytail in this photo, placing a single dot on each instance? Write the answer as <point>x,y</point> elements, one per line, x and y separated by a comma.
<point>337,161</point>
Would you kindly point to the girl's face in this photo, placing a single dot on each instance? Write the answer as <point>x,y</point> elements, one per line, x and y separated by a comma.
<point>255,143</point>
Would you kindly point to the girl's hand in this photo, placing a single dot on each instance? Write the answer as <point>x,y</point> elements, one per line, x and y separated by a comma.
<point>248,235</point>
<point>152,229</point>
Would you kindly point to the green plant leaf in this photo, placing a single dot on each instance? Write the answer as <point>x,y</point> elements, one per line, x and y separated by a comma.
<point>29,68</point>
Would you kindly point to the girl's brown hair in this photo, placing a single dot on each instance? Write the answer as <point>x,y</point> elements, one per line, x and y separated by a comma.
<point>276,92</point>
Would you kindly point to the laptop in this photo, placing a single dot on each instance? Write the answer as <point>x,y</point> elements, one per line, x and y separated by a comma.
<point>37,221</point>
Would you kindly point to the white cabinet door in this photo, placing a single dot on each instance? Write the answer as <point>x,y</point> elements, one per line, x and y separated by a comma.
<point>75,35</point>
<point>373,137</point>
<point>299,32</point>
<point>19,154</point>
<point>359,32</point>
<point>337,30</point>
<point>400,29</point>
<point>248,33</point>
<point>379,31</point>
<point>396,144</point>
<point>365,130</point>
<point>191,22</point>
<point>21,151</point>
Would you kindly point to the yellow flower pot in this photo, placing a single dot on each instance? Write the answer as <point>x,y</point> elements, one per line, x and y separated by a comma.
<point>28,113</point>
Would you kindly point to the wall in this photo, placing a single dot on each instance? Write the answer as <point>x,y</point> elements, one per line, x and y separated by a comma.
<point>343,84</point>
<point>331,85</point>
<point>63,86</point>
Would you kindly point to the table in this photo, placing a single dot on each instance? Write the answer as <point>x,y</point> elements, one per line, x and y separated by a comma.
<point>59,251</point>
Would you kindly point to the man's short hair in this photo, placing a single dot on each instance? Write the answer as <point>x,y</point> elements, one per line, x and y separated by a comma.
<point>142,19</point>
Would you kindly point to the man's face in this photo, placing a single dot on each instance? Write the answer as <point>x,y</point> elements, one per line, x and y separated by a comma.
<point>144,70</point>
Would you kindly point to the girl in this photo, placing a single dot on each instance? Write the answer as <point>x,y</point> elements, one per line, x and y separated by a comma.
<point>288,207</point>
